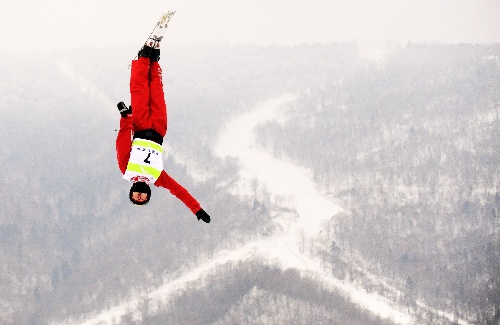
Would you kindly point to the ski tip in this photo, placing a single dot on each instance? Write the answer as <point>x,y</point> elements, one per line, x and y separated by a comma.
<point>165,19</point>
<point>168,14</point>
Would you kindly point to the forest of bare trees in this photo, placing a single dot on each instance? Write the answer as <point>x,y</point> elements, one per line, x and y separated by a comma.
<point>408,146</point>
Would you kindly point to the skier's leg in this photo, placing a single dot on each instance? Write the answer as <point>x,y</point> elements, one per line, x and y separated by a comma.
<point>157,99</point>
<point>139,92</point>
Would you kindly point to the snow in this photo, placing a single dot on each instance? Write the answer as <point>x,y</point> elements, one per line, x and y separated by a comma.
<point>294,188</point>
<point>281,178</point>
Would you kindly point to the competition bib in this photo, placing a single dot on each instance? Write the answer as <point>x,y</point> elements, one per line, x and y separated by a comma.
<point>145,160</point>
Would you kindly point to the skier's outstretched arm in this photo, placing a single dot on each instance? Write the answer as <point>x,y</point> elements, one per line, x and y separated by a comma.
<point>124,141</point>
<point>182,194</point>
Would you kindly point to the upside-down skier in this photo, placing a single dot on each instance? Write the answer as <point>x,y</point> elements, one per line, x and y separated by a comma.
<point>142,127</point>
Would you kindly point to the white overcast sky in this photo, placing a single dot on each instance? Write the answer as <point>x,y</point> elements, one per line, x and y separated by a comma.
<point>46,24</point>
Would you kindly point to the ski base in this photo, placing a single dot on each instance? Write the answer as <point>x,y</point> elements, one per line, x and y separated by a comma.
<point>158,32</point>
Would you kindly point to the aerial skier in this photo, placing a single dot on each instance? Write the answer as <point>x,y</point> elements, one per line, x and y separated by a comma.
<point>144,124</point>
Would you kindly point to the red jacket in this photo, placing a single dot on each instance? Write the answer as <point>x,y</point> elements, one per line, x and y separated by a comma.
<point>123,146</point>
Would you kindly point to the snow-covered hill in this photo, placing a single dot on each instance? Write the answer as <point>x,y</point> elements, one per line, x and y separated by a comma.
<point>292,189</point>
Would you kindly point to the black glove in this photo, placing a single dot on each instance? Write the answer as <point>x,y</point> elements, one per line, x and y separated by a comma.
<point>203,216</point>
<point>123,109</point>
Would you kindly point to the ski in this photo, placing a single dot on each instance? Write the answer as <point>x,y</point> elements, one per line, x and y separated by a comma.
<point>161,26</point>
<point>158,31</point>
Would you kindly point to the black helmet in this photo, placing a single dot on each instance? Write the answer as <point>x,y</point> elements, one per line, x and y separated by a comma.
<point>140,187</point>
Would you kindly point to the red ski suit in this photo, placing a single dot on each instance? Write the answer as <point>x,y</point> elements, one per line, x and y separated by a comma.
<point>149,111</point>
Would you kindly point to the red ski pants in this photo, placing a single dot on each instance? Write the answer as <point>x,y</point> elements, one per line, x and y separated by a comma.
<point>149,110</point>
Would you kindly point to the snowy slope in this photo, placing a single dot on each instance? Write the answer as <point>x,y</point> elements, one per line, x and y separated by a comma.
<point>293,188</point>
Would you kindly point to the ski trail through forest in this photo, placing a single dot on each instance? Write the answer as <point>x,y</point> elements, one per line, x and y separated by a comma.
<point>293,188</point>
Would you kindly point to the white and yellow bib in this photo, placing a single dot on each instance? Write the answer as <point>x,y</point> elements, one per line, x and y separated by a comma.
<point>145,160</point>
